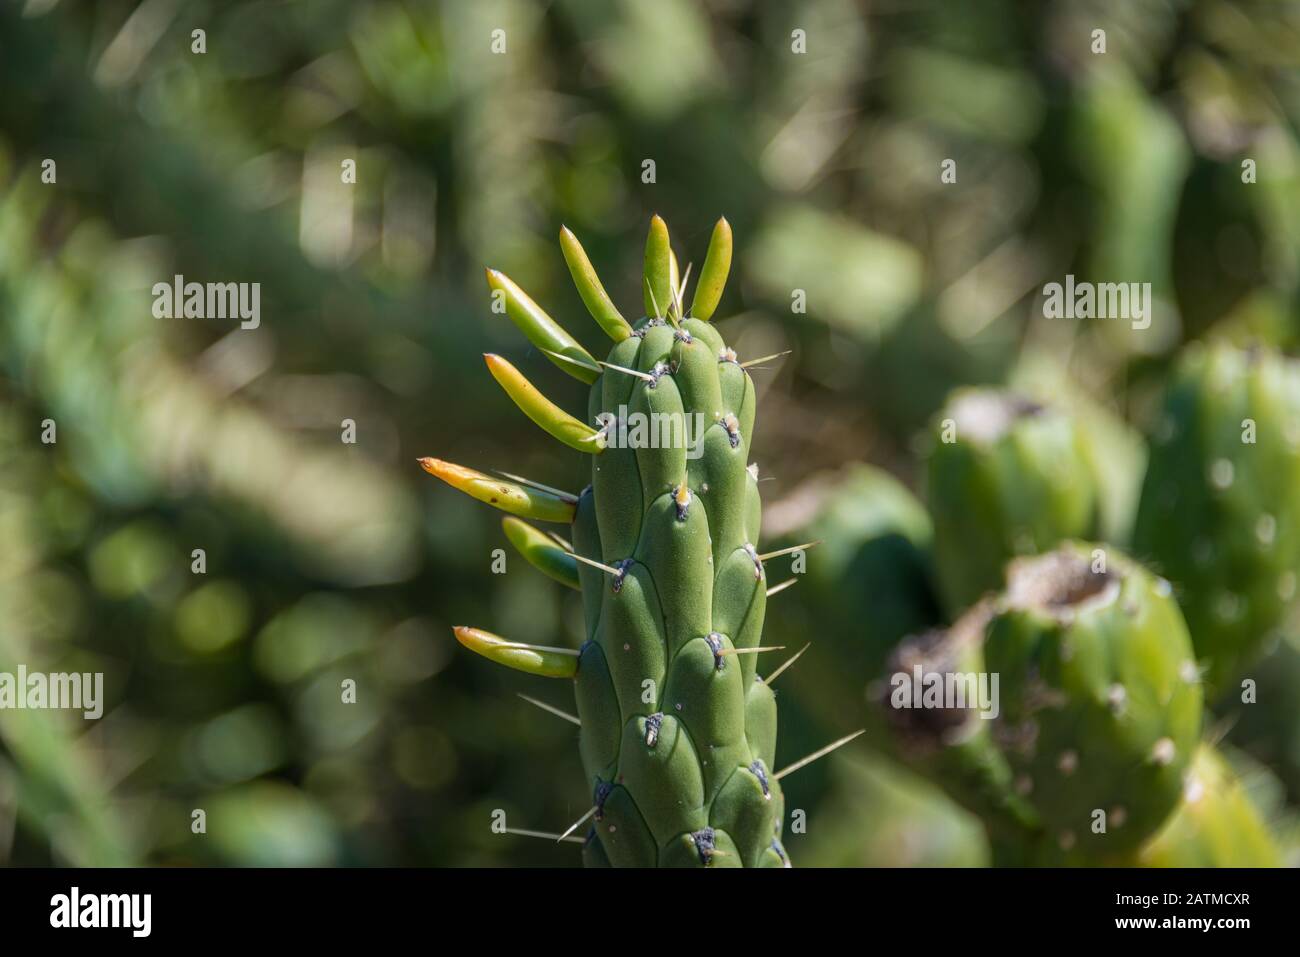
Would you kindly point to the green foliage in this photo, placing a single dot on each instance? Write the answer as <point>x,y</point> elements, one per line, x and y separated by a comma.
<point>890,285</point>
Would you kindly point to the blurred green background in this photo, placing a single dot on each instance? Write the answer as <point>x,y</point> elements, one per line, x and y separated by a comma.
<point>329,561</point>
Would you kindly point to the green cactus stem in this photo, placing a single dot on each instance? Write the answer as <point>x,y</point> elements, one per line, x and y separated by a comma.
<point>1215,825</point>
<point>1220,508</point>
<point>952,744</point>
<point>1007,476</point>
<point>1083,752</point>
<point>1101,698</point>
<point>677,730</point>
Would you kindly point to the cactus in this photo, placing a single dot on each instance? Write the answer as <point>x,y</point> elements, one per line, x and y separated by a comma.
<point>1098,708</point>
<point>678,732</point>
<point>951,743</point>
<point>1215,825</point>
<point>1007,476</point>
<point>870,585</point>
<point>1101,698</point>
<point>1268,727</point>
<point>1220,508</point>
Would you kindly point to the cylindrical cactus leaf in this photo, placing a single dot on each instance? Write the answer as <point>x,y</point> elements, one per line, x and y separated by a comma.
<point>591,290</point>
<point>657,280</point>
<point>544,505</point>
<point>542,552</point>
<point>543,331</point>
<point>555,421</point>
<point>713,274</point>
<point>534,659</point>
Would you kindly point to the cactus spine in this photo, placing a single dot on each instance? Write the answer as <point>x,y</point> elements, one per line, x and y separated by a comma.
<point>678,732</point>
